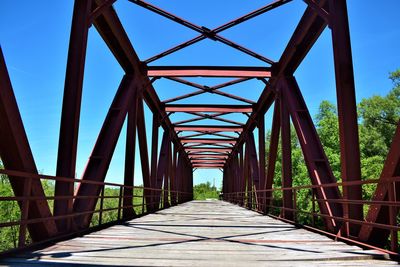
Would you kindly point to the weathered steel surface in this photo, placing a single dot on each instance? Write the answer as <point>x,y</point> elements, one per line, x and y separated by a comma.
<point>314,155</point>
<point>16,154</point>
<point>347,110</point>
<point>100,158</point>
<point>378,213</point>
<point>69,126</point>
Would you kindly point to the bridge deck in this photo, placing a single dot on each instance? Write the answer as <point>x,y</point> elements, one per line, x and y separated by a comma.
<point>201,233</point>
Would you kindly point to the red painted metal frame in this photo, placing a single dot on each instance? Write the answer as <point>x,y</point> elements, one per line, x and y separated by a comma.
<point>221,28</point>
<point>286,142</point>
<point>154,160</point>
<point>347,109</point>
<point>245,175</point>
<point>16,154</point>
<point>208,128</point>
<point>272,155</point>
<point>100,158</point>
<point>208,71</point>
<point>212,34</point>
<point>208,108</point>
<point>208,89</point>
<point>384,192</point>
<point>130,151</point>
<point>317,163</point>
<point>69,126</point>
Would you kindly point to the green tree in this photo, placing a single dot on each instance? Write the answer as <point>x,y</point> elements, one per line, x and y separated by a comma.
<point>328,130</point>
<point>205,191</point>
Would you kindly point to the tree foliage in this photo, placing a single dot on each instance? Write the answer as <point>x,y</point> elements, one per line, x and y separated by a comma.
<point>378,119</point>
<point>205,191</point>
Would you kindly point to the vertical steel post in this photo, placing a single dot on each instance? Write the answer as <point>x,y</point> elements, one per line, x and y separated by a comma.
<point>347,109</point>
<point>101,204</point>
<point>314,155</point>
<point>130,150</point>
<point>242,176</point>
<point>100,158</point>
<point>69,127</point>
<point>24,212</point>
<point>154,151</point>
<point>286,161</point>
<point>173,176</point>
<point>273,150</point>
<point>161,174</point>
<point>144,155</point>
<point>261,159</point>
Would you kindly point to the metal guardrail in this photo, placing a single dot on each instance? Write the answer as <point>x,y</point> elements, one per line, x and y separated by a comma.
<point>166,197</point>
<point>263,201</point>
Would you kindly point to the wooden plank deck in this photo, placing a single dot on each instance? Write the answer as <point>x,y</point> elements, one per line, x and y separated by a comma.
<point>201,233</point>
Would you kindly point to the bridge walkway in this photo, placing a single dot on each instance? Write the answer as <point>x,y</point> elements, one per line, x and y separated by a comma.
<point>201,233</point>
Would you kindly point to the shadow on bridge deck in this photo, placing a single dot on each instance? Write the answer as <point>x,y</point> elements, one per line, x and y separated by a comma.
<point>201,233</point>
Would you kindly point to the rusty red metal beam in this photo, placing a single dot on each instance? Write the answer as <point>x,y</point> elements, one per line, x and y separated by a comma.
<point>162,167</point>
<point>144,152</point>
<point>261,157</point>
<point>100,9</point>
<point>100,158</point>
<point>208,71</point>
<point>286,144</point>
<point>347,110</point>
<point>253,160</point>
<point>201,116</point>
<point>213,149</point>
<point>130,151</point>
<point>316,161</point>
<point>221,28</point>
<point>307,32</point>
<point>154,160</point>
<point>203,145</point>
<point>215,116</point>
<point>209,141</point>
<point>16,154</point>
<point>380,213</point>
<point>208,165</point>
<point>273,152</point>
<point>207,160</point>
<point>319,10</point>
<point>203,30</point>
<point>209,128</point>
<point>233,82</point>
<point>208,156</point>
<point>207,108</point>
<point>207,89</point>
<point>69,126</point>
<point>305,35</point>
<point>111,30</point>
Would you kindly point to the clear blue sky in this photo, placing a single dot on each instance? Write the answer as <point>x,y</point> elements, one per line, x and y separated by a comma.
<point>34,37</point>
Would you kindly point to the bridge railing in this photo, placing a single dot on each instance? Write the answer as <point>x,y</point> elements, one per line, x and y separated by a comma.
<point>304,209</point>
<point>15,217</point>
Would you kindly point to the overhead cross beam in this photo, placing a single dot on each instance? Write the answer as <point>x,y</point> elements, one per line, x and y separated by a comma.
<point>208,128</point>
<point>202,116</point>
<point>207,108</point>
<point>209,141</point>
<point>208,71</point>
<point>211,34</point>
<point>207,89</point>
<point>208,156</point>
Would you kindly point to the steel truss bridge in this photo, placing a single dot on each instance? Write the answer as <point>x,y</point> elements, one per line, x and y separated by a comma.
<point>195,143</point>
